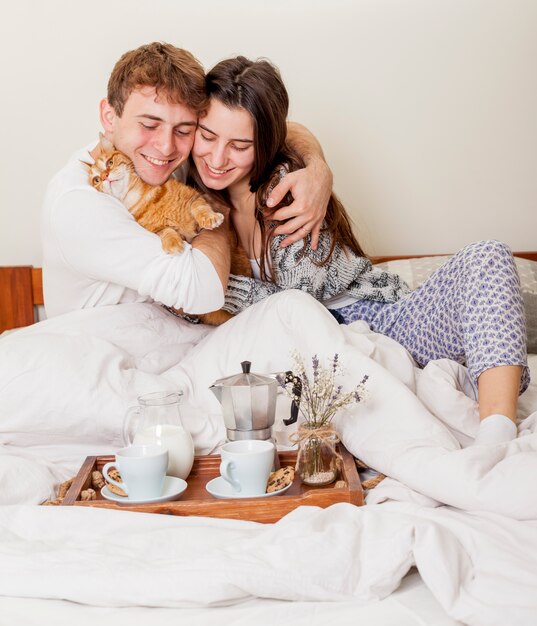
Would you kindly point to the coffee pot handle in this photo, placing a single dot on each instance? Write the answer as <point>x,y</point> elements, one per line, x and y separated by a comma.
<point>133,412</point>
<point>297,392</point>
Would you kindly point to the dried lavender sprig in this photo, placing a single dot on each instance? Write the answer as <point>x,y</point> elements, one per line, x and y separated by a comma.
<point>321,399</point>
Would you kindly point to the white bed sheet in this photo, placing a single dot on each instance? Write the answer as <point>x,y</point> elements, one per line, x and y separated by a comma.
<point>412,604</point>
<point>414,418</point>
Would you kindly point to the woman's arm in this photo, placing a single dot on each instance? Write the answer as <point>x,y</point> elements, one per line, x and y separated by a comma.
<point>243,291</point>
<point>310,187</point>
<point>299,269</point>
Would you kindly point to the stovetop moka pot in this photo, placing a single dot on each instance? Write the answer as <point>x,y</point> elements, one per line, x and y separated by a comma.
<point>248,403</point>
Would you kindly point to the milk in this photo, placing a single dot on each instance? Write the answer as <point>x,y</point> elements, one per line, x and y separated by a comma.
<point>179,444</point>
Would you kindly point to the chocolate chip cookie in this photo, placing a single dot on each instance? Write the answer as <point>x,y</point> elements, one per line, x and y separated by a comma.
<point>280,478</point>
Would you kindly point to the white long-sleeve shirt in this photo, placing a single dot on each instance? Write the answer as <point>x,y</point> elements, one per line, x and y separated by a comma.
<point>95,253</point>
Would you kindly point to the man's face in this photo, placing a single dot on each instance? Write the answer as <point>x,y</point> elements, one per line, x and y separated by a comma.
<point>155,134</point>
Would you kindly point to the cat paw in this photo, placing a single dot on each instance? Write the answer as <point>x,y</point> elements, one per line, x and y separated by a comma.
<point>173,247</point>
<point>172,243</point>
<point>210,220</point>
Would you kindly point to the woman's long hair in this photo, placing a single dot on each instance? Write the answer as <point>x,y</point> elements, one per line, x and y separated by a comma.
<point>257,87</point>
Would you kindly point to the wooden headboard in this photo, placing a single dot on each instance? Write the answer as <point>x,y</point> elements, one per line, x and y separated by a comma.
<point>21,289</point>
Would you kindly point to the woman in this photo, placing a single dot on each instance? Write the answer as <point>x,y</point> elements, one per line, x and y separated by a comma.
<point>470,310</point>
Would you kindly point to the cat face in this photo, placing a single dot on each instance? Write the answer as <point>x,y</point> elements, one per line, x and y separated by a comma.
<point>111,173</point>
<point>155,134</point>
<point>224,148</point>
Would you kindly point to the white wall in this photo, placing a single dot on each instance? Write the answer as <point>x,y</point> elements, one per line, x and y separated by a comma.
<point>426,108</point>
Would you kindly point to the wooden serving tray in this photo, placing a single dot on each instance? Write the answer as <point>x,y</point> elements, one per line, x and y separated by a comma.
<point>197,501</point>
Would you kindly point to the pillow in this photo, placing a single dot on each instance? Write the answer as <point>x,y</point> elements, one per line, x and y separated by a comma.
<point>415,271</point>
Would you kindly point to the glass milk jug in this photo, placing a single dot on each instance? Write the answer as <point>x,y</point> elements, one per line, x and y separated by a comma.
<point>157,420</point>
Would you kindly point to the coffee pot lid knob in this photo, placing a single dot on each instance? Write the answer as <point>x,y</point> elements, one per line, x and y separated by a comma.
<point>246,378</point>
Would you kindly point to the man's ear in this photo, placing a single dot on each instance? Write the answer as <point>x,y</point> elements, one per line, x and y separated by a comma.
<point>107,115</point>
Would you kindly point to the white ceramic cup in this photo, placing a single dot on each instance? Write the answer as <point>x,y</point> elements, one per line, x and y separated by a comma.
<point>142,469</point>
<point>246,465</point>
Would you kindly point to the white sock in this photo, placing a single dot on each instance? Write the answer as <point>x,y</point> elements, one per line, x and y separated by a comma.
<point>495,429</point>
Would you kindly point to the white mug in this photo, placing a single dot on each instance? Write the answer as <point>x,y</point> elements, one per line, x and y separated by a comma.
<point>246,465</point>
<point>142,469</point>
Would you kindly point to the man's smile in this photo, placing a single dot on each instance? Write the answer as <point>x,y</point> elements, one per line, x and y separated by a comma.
<point>158,162</point>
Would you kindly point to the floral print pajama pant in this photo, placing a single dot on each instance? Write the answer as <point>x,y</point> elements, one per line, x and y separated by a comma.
<point>469,310</point>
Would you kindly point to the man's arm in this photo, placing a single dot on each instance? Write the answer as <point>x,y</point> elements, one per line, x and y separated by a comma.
<point>98,239</point>
<point>310,187</point>
<point>215,245</point>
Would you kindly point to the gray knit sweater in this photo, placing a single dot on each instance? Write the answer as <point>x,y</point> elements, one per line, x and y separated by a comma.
<point>293,269</point>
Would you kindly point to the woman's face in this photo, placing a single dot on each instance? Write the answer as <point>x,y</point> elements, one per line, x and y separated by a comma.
<point>224,146</point>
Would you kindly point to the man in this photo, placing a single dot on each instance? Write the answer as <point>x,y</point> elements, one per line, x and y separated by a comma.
<point>95,253</point>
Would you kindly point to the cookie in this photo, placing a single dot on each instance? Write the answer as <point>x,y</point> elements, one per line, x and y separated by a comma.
<point>115,475</point>
<point>280,478</point>
<point>55,502</point>
<point>117,490</point>
<point>88,494</point>
<point>97,480</point>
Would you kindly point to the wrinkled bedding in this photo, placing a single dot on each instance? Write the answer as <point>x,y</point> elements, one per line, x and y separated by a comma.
<point>465,515</point>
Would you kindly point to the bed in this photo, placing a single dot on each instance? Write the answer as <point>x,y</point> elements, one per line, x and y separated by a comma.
<point>450,537</point>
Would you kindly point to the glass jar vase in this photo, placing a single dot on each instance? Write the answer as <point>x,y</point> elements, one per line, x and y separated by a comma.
<point>318,460</point>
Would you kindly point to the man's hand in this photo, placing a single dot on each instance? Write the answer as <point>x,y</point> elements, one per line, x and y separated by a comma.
<point>310,187</point>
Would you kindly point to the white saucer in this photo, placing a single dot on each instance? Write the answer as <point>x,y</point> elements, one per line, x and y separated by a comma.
<point>173,488</point>
<point>220,488</point>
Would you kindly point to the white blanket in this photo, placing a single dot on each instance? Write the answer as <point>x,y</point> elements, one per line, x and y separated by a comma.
<point>66,384</point>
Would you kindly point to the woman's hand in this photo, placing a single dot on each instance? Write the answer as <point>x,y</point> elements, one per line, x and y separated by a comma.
<point>311,188</point>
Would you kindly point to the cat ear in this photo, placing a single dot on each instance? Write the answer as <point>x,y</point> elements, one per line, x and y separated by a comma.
<point>106,144</point>
<point>88,165</point>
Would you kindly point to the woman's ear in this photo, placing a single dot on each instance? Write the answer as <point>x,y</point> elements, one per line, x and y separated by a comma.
<point>107,115</point>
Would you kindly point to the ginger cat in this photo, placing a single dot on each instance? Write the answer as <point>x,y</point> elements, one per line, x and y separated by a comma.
<point>173,210</point>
